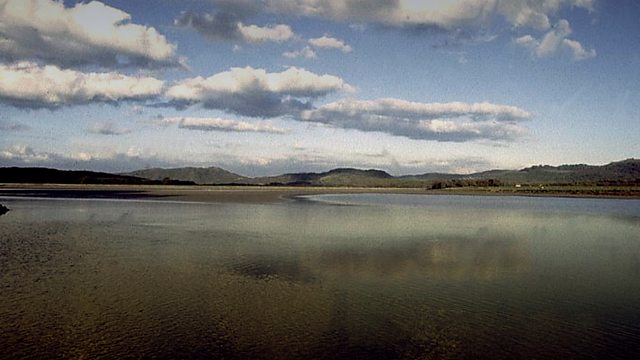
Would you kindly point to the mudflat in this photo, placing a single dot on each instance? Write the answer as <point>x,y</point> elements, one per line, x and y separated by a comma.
<point>223,194</point>
<point>273,194</point>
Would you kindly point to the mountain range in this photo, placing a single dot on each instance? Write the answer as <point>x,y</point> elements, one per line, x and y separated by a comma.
<point>626,172</point>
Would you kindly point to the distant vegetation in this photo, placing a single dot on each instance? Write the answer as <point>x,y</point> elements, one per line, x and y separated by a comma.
<point>621,173</point>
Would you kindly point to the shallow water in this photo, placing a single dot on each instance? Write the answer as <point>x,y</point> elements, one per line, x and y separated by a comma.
<point>340,276</point>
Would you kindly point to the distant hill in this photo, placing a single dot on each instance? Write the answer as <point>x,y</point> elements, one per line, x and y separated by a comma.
<point>335,177</point>
<point>208,176</point>
<point>53,176</point>
<point>623,172</point>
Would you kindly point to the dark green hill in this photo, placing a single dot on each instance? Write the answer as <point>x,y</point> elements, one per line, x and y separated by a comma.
<point>53,176</point>
<point>621,172</point>
<point>209,176</point>
<point>626,172</point>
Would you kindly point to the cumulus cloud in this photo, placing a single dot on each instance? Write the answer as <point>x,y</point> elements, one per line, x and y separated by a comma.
<point>455,121</point>
<point>108,128</point>
<point>29,85</point>
<point>228,26</point>
<point>218,124</point>
<point>446,15</point>
<point>457,18</point>
<point>326,42</point>
<point>87,33</point>
<point>553,40</point>
<point>306,53</point>
<point>254,33</point>
<point>254,92</point>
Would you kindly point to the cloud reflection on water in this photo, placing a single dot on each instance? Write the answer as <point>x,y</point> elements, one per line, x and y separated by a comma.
<point>482,257</point>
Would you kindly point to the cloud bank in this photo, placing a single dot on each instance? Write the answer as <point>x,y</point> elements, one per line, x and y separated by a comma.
<point>29,85</point>
<point>25,155</point>
<point>455,121</point>
<point>87,33</point>
<point>255,92</point>
<point>446,15</point>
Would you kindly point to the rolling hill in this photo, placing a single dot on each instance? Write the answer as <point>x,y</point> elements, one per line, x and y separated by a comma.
<point>335,177</point>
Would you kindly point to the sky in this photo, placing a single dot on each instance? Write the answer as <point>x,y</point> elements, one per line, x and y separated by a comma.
<point>263,87</point>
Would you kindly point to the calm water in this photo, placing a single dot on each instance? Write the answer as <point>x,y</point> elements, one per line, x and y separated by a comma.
<point>341,276</point>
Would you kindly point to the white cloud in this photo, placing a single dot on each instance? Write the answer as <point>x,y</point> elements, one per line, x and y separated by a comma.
<point>305,52</point>
<point>326,42</point>
<point>27,84</point>
<point>277,33</point>
<point>87,33</point>
<point>418,110</point>
<point>254,92</point>
<point>228,26</point>
<point>553,40</point>
<point>218,124</point>
<point>579,52</point>
<point>455,121</point>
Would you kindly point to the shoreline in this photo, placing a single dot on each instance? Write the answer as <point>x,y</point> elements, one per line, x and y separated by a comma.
<point>273,194</point>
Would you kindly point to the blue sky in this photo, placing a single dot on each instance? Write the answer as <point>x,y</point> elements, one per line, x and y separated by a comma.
<point>269,86</point>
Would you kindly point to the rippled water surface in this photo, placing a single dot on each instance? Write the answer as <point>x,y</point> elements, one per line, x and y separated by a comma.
<point>335,276</point>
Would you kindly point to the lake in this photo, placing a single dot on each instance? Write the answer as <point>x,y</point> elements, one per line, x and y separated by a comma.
<point>323,276</point>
